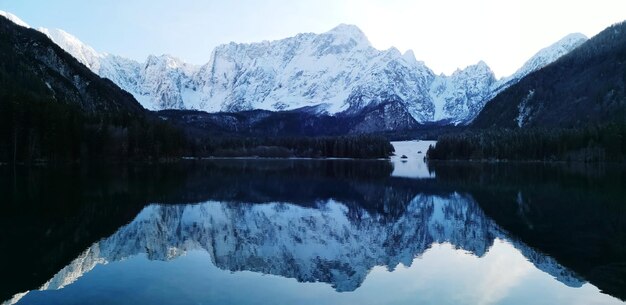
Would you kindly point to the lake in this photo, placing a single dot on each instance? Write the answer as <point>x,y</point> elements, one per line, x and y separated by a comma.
<point>314,232</point>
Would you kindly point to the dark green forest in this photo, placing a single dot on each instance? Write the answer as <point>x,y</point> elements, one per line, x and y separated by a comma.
<point>38,130</point>
<point>34,130</point>
<point>357,146</point>
<point>590,144</point>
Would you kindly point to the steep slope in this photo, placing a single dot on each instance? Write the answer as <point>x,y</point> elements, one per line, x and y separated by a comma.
<point>157,84</point>
<point>458,98</point>
<point>52,107</point>
<point>544,57</point>
<point>14,19</point>
<point>33,65</point>
<point>82,52</point>
<point>586,86</point>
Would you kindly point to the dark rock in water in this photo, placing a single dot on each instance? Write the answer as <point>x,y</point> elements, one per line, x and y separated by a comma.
<point>403,157</point>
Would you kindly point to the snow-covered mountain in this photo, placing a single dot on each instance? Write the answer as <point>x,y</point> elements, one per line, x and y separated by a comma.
<point>14,19</point>
<point>458,98</point>
<point>48,66</point>
<point>156,84</point>
<point>327,243</point>
<point>339,72</point>
<point>543,58</point>
<point>339,69</point>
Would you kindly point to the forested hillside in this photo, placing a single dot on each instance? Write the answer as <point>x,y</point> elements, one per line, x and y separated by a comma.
<point>585,87</point>
<point>52,108</point>
<point>589,144</point>
<point>571,110</point>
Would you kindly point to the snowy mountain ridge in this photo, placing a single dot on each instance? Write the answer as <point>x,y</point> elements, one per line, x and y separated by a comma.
<point>338,71</point>
<point>14,19</point>
<point>542,58</point>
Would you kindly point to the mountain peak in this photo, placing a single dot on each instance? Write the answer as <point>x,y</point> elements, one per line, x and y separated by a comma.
<point>84,53</point>
<point>565,44</point>
<point>346,28</point>
<point>549,54</point>
<point>482,64</point>
<point>14,19</point>
<point>61,35</point>
<point>478,68</point>
<point>165,60</point>
<point>573,37</point>
<point>483,67</point>
<point>409,56</point>
<point>346,32</point>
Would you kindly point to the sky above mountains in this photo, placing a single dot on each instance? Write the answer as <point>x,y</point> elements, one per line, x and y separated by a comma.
<point>446,34</point>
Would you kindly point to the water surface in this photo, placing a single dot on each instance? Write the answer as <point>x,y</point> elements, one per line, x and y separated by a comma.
<point>314,232</point>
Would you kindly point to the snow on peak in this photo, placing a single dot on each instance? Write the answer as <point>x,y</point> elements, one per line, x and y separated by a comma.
<point>346,35</point>
<point>394,52</point>
<point>14,19</point>
<point>409,56</point>
<point>82,52</point>
<point>572,39</point>
<point>478,69</point>
<point>541,59</point>
<point>550,54</point>
<point>483,65</point>
<point>458,98</point>
<point>165,60</point>
<point>157,83</point>
<point>348,31</point>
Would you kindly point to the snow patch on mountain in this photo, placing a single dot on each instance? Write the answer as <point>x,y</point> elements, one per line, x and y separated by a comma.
<point>82,52</point>
<point>14,19</point>
<point>460,96</point>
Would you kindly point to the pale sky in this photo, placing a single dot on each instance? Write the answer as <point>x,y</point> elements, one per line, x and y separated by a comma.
<point>445,34</point>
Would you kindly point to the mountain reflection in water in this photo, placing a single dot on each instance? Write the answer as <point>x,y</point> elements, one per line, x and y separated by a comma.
<point>328,221</point>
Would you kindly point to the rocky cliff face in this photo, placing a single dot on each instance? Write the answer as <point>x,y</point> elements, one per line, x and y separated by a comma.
<point>458,98</point>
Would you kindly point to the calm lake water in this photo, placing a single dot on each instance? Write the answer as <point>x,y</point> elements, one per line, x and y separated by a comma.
<point>314,232</point>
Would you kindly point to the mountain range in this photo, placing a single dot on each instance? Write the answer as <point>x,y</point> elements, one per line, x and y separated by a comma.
<point>337,73</point>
